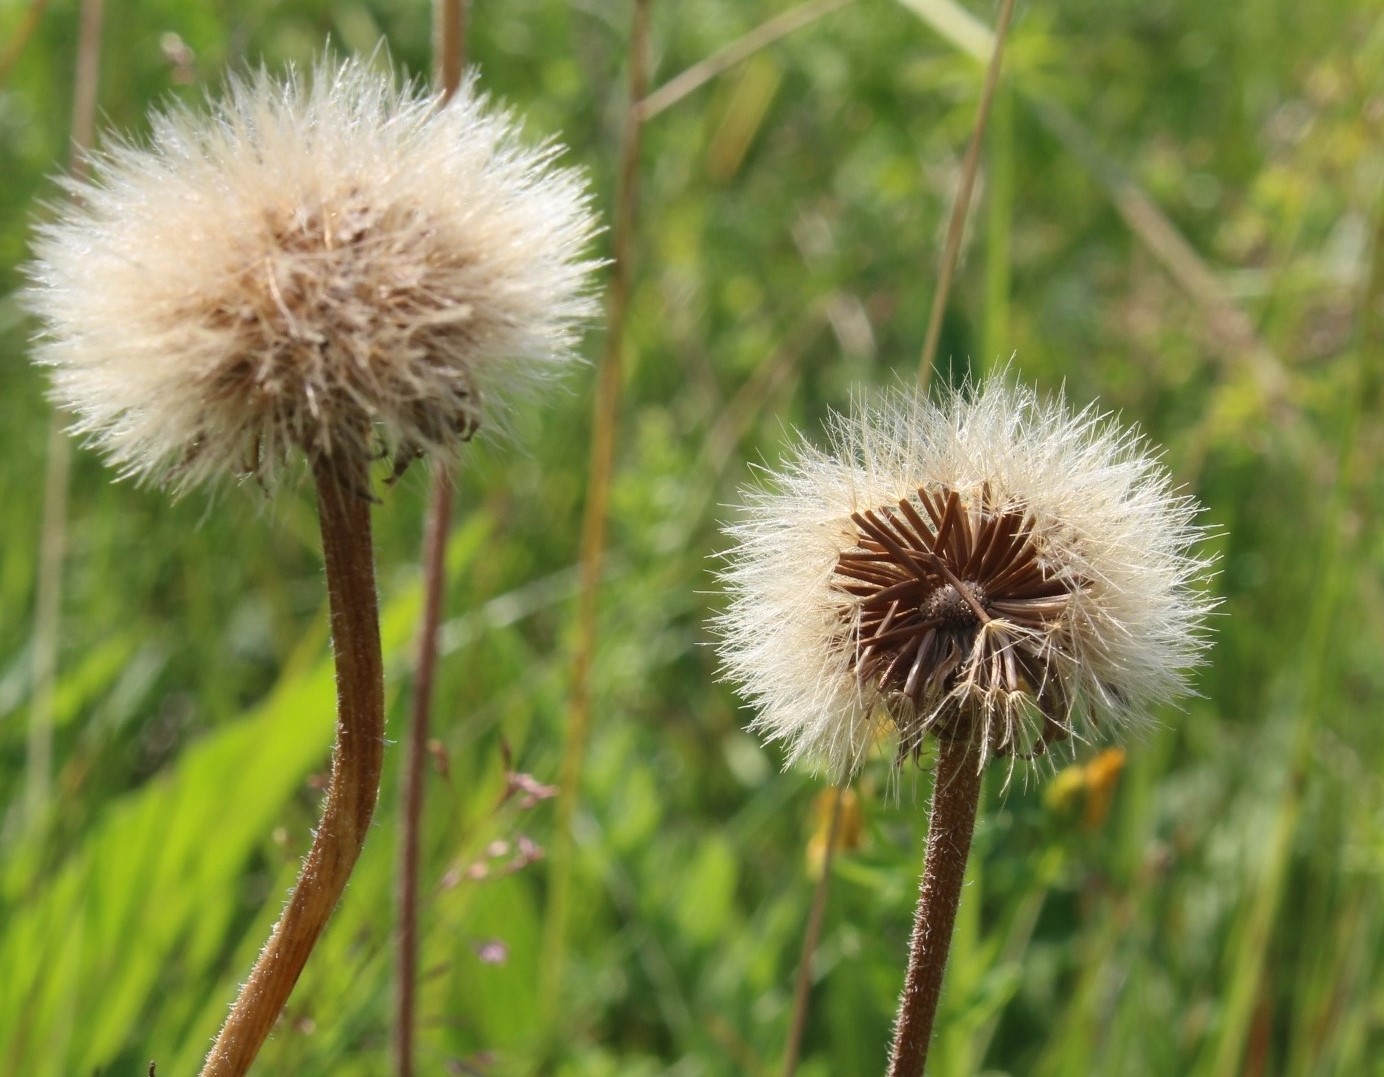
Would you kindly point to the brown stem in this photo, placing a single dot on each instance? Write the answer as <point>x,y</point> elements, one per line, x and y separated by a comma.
<point>449,45</point>
<point>955,798</point>
<point>355,780</point>
<point>449,59</point>
<point>416,751</point>
<point>803,990</point>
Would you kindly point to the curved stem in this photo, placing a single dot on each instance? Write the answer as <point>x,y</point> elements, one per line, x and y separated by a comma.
<point>955,798</point>
<point>355,780</point>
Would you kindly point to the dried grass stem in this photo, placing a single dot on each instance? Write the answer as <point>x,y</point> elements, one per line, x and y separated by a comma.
<point>449,60</point>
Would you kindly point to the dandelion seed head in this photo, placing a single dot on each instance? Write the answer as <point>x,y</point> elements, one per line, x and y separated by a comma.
<point>330,264</point>
<point>992,565</point>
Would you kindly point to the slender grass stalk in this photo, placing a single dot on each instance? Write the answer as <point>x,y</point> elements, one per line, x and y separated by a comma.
<point>737,51</point>
<point>955,799</point>
<point>38,764</point>
<point>38,768</point>
<point>414,768</point>
<point>999,227</point>
<point>956,227</point>
<point>449,28</point>
<point>602,461</point>
<point>1234,334</point>
<point>355,778</point>
<point>803,989</point>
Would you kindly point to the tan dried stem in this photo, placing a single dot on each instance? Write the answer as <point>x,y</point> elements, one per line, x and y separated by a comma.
<point>355,779</point>
<point>449,60</point>
<point>955,798</point>
<point>956,227</point>
<point>449,45</point>
<point>57,474</point>
<point>741,49</point>
<point>602,461</point>
<point>414,767</point>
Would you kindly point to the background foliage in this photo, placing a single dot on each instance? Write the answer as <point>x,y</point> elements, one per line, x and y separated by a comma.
<point>1180,214</point>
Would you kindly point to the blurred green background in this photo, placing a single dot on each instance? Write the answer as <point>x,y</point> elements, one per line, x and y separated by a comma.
<point>1180,213</point>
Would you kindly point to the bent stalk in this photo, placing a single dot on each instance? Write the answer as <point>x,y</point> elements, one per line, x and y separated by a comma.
<point>355,780</point>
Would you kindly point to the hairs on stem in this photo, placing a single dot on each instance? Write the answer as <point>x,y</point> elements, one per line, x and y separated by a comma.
<point>355,779</point>
<point>955,798</point>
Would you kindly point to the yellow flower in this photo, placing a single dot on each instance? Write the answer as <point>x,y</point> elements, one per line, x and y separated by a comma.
<point>1087,788</point>
<point>849,829</point>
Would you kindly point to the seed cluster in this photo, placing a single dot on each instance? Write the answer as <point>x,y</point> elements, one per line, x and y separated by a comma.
<point>328,264</point>
<point>953,611</point>
<point>990,565</point>
<point>333,341</point>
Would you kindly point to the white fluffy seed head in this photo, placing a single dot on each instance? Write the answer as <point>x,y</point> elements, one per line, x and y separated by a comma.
<point>335,265</point>
<point>1068,541</point>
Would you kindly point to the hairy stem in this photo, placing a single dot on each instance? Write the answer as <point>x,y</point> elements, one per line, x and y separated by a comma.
<point>355,779</point>
<point>955,798</point>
